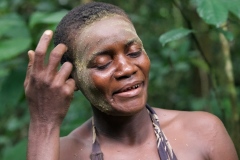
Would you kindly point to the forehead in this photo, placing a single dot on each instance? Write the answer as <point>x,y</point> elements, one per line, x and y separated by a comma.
<point>106,32</point>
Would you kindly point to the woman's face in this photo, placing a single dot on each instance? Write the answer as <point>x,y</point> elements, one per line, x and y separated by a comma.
<point>112,66</point>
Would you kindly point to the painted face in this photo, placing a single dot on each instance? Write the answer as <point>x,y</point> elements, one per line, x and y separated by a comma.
<point>112,66</point>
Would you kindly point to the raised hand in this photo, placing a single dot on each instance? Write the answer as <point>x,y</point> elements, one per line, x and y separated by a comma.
<point>49,91</point>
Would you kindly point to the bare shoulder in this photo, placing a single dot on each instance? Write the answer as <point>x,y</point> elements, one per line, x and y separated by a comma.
<point>199,132</point>
<point>77,145</point>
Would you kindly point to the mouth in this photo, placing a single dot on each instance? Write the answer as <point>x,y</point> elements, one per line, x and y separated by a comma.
<point>129,88</point>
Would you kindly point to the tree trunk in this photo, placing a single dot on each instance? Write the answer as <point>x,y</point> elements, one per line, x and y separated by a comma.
<point>230,91</point>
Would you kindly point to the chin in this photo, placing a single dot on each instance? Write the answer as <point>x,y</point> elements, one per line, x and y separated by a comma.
<point>127,108</point>
<point>122,105</point>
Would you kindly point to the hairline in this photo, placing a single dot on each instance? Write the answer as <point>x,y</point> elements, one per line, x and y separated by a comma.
<point>88,24</point>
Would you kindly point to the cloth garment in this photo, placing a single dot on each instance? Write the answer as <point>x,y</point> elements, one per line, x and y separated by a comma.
<point>165,150</point>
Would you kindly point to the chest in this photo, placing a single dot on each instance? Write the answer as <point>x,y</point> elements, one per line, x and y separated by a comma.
<point>147,152</point>
<point>186,146</point>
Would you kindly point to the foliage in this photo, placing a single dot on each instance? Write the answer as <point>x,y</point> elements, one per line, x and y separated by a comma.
<point>174,35</point>
<point>187,74</point>
<point>215,12</point>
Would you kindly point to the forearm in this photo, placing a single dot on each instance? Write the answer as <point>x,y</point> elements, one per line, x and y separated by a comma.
<point>49,92</point>
<point>43,142</point>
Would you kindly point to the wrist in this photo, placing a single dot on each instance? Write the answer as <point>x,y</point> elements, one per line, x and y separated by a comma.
<point>43,141</point>
<point>43,129</point>
<point>43,120</point>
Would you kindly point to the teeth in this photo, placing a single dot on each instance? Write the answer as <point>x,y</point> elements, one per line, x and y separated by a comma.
<point>133,87</point>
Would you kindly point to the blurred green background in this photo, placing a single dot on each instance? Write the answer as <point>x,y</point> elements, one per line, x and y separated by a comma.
<point>193,46</point>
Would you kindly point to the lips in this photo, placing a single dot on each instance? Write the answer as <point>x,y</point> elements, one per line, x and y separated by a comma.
<point>129,88</point>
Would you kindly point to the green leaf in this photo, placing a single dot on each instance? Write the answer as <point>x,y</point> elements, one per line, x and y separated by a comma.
<point>14,35</point>
<point>212,11</point>
<point>37,18</point>
<point>12,89</point>
<point>55,17</point>
<point>3,72</point>
<point>12,26</point>
<point>10,48</point>
<point>174,35</point>
<point>233,6</point>
<point>16,152</point>
<point>46,18</point>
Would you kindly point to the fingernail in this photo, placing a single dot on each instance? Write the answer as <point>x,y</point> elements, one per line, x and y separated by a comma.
<point>48,32</point>
<point>30,51</point>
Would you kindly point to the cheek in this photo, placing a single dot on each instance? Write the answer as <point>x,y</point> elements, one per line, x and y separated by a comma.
<point>83,80</point>
<point>80,73</point>
<point>144,64</point>
<point>101,80</point>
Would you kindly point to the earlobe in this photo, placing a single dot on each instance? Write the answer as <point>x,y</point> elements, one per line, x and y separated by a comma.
<point>76,88</point>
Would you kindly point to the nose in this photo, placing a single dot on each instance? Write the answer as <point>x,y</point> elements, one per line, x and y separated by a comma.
<point>125,68</point>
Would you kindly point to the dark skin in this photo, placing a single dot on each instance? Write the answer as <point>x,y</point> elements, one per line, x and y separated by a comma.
<point>124,131</point>
<point>44,81</point>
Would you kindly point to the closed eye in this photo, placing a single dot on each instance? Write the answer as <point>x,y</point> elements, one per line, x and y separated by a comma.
<point>135,54</point>
<point>102,67</point>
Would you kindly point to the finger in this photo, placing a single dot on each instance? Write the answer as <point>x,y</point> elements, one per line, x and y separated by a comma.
<point>71,85</point>
<point>64,72</point>
<point>41,50</point>
<point>55,57</point>
<point>29,68</point>
<point>68,89</point>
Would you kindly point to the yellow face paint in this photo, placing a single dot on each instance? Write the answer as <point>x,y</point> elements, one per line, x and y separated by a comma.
<point>109,33</point>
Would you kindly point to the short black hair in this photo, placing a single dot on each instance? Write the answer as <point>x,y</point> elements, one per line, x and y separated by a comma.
<point>77,19</point>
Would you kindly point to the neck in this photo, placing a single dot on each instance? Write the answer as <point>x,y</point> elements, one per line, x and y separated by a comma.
<point>134,129</point>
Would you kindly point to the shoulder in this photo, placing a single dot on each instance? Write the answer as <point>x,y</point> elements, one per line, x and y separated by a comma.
<point>195,121</point>
<point>78,144</point>
<point>201,130</point>
<point>202,124</point>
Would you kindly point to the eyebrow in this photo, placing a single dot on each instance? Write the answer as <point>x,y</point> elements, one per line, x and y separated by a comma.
<point>131,42</point>
<point>135,40</point>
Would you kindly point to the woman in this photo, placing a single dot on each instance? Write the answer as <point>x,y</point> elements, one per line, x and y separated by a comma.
<point>103,57</point>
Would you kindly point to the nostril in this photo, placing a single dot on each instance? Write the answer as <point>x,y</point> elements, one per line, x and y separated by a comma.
<point>124,75</point>
<point>125,68</point>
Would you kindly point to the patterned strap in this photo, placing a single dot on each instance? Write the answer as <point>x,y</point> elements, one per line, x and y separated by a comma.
<point>96,149</point>
<point>165,150</point>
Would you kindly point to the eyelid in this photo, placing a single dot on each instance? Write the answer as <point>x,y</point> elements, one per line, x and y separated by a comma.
<point>93,60</point>
<point>135,54</point>
<point>102,67</point>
